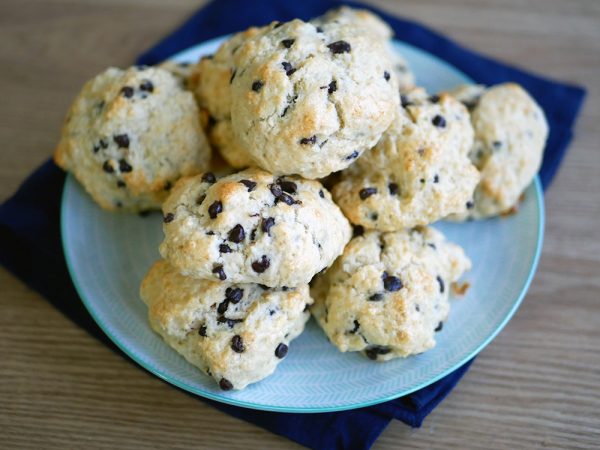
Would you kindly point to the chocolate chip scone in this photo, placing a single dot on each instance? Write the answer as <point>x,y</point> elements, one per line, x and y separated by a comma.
<point>129,135</point>
<point>418,172</point>
<point>252,227</point>
<point>366,21</point>
<point>309,100</point>
<point>236,333</point>
<point>510,136</point>
<point>387,295</point>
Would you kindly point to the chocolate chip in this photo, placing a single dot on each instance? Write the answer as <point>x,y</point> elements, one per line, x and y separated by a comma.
<point>332,87</point>
<point>107,167</point>
<point>208,177</point>
<point>261,265</point>
<point>439,327</point>
<point>358,230</point>
<point>121,184</point>
<point>253,234</point>
<point>497,144</point>
<point>281,351</point>
<point>287,186</point>
<point>168,217</point>
<point>432,245</point>
<point>232,76</point>
<point>436,178</point>
<point>393,188</point>
<point>289,69</point>
<point>319,29</point>
<point>441,283</point>
<point>391,283</point>
<point>257,85</point>
<point>122,140</point>
<point>469,205</point>
<point>365,193</point>
<point>222,308</point>
<point>376,297</point>
<point>276,190</point>
<point>168,185</point>
<point>201,199</point>
<point>202,330</point>
<point>236,234</point>
<point>287,43</point>
<point>356,327</point>
<point>309,141</point>
<point>127,91</point>
<point>374,352</point>
<point>215,209</point>
<point>237,344</point>
<point>250,185</point>
<point>352,155</point>
<point>338,47</point>
<point>119,204</point>
<point>225,384</point>
<point>439,121</point>
<point>230,322</point>
<point>422,180</point>
<point>285,198</point>
<point>218,269</point>
<point>147,86</point>
<point>224,248</point>
<point>124,166</point>
<point>263,287</point>
<point>434,98</point>
<point>266,224</point>
<point>321,193</point>
<point>404,101</point>
<point>386,75</point>
<point>234,295</point>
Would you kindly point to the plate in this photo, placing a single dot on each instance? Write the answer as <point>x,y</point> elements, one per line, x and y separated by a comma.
<point>109,254</point>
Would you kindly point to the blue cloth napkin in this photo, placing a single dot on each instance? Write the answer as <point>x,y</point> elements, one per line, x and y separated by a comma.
<point>30,242</point>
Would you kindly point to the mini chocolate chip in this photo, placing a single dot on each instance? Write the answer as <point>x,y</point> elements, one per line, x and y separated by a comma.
<point>124,166</point>
<point>168,217</point>
<point>234,295</point>
<point>338,47</point>
<point>358,230</point>
<point>201,199</point>
<point>289,69</point>
<point>469,205</point>
<point>208,177</point>
<point>253,234</point>
<point>356,327</point>
<point>210,233</point>
<point>374,216</point>
<point>250,185</point>
<point>393,188</point>
<point>225,384</point>
<point>266,224</point>
<point>436,178</point>
<point>281,350</point>
<point>386,75</point>
<point>122,140</point>
<point>309,141</point>
<point>224,248</point>
<point>285,198</point>
<point>352,155</point>
<point>439,327</point>
<point>261,265</point>
<point>218,269</point>
<point>332,87</point>
<point>202,330</point>
<point>168,185</point>
<point>434,98</point>
<point>391,283</point>
<point>257,85</point>
<point>422,180</point>
<point>497,144</point>
<point>222,308</point>
<point>215,209</point>
<point>288,186</point>
<point>147,86</point>
<point>232,76</point>
<point>127,91</point>
<point>417,308</point>
<point>230,322</point>
<point>321,193</point>
<point>365,193</point>
<point>432,245</point>
<point>404,101</point>
<point>374,352</point>
<point>287,43</point>
<point>441,283</point>
<point>236,234</point>
<point>121,184</point>
<point>264,287</point>
<point>376,297</point>
<point>439,121</point>
<point>103,143</point>
<point>319,29</point>
<point>107,167</point>
<point>237,344</point>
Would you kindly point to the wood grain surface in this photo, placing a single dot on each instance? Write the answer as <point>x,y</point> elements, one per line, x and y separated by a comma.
<point>535,386</point>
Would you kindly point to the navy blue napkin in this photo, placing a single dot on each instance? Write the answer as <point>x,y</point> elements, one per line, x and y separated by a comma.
<point>30,242</point>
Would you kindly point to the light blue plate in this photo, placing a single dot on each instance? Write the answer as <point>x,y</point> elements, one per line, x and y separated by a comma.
<point>109,254</point>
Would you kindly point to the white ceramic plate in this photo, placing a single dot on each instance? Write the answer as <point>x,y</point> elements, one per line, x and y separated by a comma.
<point>109,254</point>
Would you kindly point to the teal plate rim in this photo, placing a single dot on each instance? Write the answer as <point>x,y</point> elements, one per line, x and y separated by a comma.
<point>232,401</point>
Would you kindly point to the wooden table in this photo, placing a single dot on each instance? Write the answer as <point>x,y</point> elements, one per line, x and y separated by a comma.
<point>536,385</point>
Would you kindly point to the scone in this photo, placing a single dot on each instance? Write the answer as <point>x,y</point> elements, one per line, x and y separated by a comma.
<point>252,227</point>
<point>387,295</point>
<point>236,333</point>
<point>129,135</point>
<point>180,70</point>
<point>419,171</point>
<point>366,21</point>
<point>510,136</point>
<point>308,100</point>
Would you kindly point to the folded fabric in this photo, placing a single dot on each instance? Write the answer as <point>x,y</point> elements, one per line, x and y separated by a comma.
<point>30,242</point>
